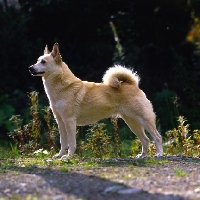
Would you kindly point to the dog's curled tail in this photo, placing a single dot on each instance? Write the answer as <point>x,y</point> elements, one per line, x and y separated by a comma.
<point>117,75</point>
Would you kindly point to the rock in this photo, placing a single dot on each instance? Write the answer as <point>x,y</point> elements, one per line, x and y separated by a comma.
<point>113,189</point>
<point>129,191</point>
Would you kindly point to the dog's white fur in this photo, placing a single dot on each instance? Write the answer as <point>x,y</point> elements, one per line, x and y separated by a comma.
<point>76,102</point>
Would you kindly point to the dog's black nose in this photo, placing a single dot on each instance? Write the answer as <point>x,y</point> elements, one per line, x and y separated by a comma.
<point>31,69</point>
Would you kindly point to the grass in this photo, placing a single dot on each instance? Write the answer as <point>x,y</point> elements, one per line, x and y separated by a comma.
<point>37,161</point>
<point>179,172</point>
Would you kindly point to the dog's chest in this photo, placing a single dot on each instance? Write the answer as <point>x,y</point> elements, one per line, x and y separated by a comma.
<point>49,92</point>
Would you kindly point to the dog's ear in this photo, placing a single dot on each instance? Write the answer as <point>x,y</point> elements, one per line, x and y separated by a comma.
<point>56,54</point>
<point>55,50</point>
<point>46,50</point>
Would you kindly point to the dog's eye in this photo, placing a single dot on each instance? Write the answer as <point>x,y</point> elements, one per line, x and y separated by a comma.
<point>43,61</point>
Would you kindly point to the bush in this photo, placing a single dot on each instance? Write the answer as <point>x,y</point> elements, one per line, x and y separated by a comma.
<point>28,137</point>
<point>181,141</point>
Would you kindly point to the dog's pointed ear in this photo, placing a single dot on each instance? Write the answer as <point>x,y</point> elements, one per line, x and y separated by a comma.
<point>56,54</point>
<point>46,50</point>
<point>55,50</point>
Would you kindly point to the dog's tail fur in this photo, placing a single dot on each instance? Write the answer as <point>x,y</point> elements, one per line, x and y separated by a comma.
<point>117,75</point>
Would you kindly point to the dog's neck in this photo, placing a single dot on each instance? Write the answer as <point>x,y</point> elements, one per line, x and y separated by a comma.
<point>56,81</point>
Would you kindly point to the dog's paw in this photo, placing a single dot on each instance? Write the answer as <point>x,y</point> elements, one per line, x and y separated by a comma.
<point>158,155</point>
<point>141,155</point>
<point>64,157</point>
<point>57,156</point>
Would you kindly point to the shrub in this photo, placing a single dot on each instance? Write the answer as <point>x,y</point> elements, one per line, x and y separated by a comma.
<point>28,137</point>
<point>181,141</point>
<point>98,140</point>
<point>101,143</point>
<point>33,137</point>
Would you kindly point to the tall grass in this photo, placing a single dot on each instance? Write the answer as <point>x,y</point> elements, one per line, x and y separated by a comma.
<point>30,137</point>
<point>41,134</point>
<point>183,141</point>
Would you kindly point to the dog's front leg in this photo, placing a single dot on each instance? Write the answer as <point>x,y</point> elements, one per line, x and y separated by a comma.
<point>70,126</point>
<point>63,136</point>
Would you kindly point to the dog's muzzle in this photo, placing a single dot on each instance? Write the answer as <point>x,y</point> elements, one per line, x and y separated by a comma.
<point>33,71</point>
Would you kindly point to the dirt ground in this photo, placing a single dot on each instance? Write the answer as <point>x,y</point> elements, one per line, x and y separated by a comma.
<point>117,179</point>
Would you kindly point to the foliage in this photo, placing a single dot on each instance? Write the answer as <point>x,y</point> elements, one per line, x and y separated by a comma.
<point>41,153</point>
<point>98,140</point>
<point>180,172</point>
<point>14,151</point>
<point>167,109</point>
<point>136,147</point>
<point>28,137</point>
<point>160,39</point>
<point>33,137</point>
<point>118,55</point>
<point>52,129</point>
<point>181,141</point>
<point>115,140</point>
<point>6,110</point>
<point>101,143</point>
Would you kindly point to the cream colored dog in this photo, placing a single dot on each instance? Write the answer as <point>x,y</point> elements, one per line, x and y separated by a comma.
<point>76,102</point>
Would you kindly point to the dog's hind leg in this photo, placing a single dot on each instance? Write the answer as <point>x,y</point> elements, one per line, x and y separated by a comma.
<point>139,132</point>
<point>151,128</point>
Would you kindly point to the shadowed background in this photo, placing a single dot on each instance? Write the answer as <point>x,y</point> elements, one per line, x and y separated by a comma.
<point>160,39</point>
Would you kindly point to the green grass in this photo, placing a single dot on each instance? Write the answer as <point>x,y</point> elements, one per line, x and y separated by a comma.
<point>30,163</point>
<point>179,172</point>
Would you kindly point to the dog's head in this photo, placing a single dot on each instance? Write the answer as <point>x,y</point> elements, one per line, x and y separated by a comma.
<point>47,63</point>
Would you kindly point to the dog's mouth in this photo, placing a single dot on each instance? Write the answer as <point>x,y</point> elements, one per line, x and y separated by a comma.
<point>36,73</point>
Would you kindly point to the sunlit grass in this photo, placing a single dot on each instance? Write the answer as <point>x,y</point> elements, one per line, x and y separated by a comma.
<point>179,172</point>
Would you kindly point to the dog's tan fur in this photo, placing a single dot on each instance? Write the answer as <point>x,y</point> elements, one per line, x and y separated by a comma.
<point>76,102</point>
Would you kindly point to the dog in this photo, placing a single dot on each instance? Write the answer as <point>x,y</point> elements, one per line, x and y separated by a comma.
<point>76,103</point>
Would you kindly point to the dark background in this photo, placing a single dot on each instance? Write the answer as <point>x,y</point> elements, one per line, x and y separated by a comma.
<point>160,39</point>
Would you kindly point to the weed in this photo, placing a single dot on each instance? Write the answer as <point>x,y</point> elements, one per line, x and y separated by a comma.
<point>28,137</point>
<point>52,129</point>
<point>97,140</point>
<point>180,172</point>
<point>125,148</point>
<point>25,135</point>
<point>64,169</point>
<point>40,153</point>
<point>181,141</point>
<point>99,143</point>
<point>14,151</point>
<point>80,144</point>
<point>116,143</point>
<point>136,147</point>
<point>150,160</point>
<point>152,149</point>
<point>196,136</point>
